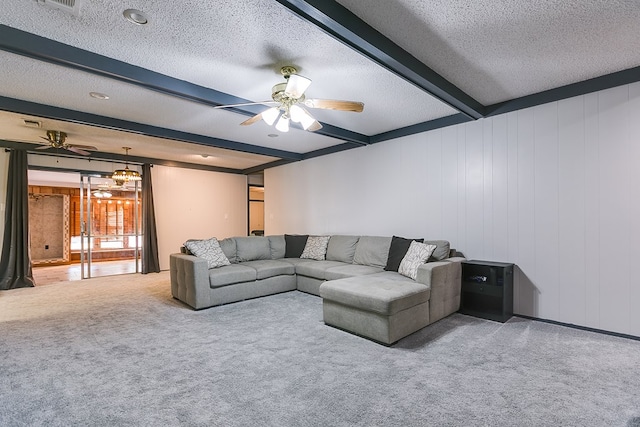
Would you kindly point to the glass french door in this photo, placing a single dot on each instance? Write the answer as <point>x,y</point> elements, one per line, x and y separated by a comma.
<point>110,227</point>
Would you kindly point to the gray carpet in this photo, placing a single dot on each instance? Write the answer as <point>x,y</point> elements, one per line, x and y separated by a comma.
<point>121,351</point>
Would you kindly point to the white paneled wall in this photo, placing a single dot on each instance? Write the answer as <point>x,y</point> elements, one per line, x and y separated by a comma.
<point>554,189</point>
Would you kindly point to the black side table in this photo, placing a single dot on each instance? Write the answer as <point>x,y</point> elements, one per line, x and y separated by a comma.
<point>487,290</point>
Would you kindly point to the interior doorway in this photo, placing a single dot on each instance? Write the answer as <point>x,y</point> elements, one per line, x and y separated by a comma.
<point>82,225</point>
<point>256,210</point>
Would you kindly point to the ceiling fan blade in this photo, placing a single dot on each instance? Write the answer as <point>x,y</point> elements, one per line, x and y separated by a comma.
<point>332,104</point>
<point>246,103</point>
<point>77,150</point>
<point>84,147</point>
<point>252,120</point>
<point>296,85</point>
<point>315,126</point>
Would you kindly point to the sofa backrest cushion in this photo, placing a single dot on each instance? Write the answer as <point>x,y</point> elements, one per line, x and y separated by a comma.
<point>442,249</point>
<point>252,248</point>
<point>397,251</point>
<point>342,248</point>
<point>294,245</point>
<point>228,246</point>
<point>372,250</point>
<point>277,245</point>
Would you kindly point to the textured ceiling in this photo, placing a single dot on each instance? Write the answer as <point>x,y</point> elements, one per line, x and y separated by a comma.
<point>492,51</point>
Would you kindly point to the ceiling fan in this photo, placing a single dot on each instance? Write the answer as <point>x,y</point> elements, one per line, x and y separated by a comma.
<point>290,103</point>
<point>57,139</point>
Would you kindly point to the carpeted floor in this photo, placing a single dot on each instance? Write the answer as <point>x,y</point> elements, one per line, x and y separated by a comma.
<point>120,351</point>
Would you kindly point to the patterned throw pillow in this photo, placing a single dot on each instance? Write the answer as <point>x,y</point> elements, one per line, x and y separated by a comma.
<point>208,249</point>
<point>417,255</point>
<point>316,248</point>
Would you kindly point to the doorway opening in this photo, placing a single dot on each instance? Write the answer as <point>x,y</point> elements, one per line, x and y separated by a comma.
<point>82,226</point>
<point>256,210</point>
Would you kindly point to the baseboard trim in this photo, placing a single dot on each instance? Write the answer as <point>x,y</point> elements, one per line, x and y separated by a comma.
<point>582,328</point>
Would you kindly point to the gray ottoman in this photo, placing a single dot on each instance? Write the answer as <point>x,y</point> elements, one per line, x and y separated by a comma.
<point>375,307</point>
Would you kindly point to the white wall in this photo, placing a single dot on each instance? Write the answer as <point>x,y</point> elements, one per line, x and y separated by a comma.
<point>553,189</point>
<point>193,204</point>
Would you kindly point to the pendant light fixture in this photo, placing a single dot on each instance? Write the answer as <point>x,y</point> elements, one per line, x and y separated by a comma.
<point>125,175</point>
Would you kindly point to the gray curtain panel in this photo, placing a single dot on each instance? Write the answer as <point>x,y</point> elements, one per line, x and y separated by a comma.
<point>15,262</point>
<point>150,262</point>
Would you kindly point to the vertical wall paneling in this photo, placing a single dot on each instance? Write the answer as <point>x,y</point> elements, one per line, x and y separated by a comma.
<point>487,190</point>
<point>592,211</point>
<point>473,188</point>
<point>550,188</point>
<point>546,208</point>
<point>461,190</point>
<point>572,193</point>
<point>450,186</point>
<point>529,288</point>
<point>614,193</point>
<point>512,203</point>
<point>633,142</point>
<point>500,190</point>
<point>432,222</point>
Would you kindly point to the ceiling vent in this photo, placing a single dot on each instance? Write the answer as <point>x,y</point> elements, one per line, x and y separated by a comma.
<point>69,6</point>
<point>32,123</point>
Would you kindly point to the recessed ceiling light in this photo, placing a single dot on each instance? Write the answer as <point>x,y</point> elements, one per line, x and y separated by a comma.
<point>98,95</point>
<point>135,16</point>
<point>204,156</point>
<point>273,135</point>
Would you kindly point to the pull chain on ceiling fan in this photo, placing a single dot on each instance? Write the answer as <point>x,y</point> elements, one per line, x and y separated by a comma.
<point>291,102</point>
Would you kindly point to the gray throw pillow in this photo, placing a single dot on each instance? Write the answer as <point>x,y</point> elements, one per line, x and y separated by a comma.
<point>208,249</point>
<point>315,248</point>
<point>417,255</point>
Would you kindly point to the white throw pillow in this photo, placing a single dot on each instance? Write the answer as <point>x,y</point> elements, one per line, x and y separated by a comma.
<point>316,248</point>
<point>417,255</point>
<point>208,249</point>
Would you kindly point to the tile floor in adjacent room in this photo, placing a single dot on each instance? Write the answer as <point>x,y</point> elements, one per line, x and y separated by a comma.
<point>47,275</point>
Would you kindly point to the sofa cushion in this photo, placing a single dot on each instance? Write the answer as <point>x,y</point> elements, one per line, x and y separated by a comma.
<point>316,269</point>
<point>372,250</point>
<point>350,270</point>
<point>397,251</point>
<point>442,249</point>
<point>393,275</point>
<point>252,248</point>
<point>270,268</point>
<point>228,246</point>
<point>315,248</point>
<point>417,255</point>
<point>294,245</point>
<point>375,294</point>
<point>277,245</point>
<point>231,274</point>
<point>342,248</point>
<point>208,249</point>
<point>296,261</point>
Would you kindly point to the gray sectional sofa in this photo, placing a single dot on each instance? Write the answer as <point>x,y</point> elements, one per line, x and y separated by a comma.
<point>359,296</point>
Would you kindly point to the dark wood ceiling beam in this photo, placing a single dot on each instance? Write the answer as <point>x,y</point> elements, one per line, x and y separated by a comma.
<point>57,113</point>
<point>343,25</point>
<point>43,49</point>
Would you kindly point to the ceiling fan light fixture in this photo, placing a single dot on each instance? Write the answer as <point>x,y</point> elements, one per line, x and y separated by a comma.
<point>100,194</point>
<point>302,116</point>
<point>296,85</point>
<point>271,115</point>
<point>283,123</point>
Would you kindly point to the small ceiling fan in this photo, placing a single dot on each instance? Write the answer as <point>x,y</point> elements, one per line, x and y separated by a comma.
<point>290,103</point>
<point>57,139</point>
